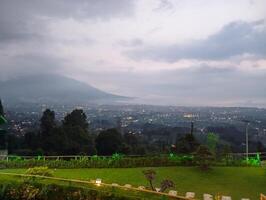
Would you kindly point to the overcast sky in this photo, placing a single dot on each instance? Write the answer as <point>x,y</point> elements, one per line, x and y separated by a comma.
<point>170,52</point>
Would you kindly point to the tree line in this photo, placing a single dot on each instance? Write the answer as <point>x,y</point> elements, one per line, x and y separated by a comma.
<point>72,137</point>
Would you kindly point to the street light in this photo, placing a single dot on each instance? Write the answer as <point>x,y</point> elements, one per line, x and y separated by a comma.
<point>98,181</point>
<point>247,123</point>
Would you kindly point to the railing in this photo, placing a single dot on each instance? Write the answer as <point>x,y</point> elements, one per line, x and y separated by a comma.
<point>69,157</point>
<point>253,154</point>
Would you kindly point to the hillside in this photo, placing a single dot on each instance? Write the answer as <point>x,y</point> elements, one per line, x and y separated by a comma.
<point>52,89</point>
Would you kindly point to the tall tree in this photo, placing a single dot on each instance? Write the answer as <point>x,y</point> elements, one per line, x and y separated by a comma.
<point>1,108</point>
<point>204,157</point>
<point>76,118</point>
<point>187,144</point>
<point>3,135</point>
<point>78,139</point>
<point>47,128</point>
<point>47,122</point>
<point>260,147</point>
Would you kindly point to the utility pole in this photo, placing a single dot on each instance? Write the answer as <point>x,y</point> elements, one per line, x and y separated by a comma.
<point>247,140</point>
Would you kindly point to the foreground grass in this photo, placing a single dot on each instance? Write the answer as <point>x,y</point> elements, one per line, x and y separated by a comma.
<point>238,182</point>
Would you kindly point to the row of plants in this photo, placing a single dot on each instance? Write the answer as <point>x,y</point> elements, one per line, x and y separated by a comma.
<point>38,188</point>
<point>38,191</point>
<point>202,157</point>
<point>99,162</point>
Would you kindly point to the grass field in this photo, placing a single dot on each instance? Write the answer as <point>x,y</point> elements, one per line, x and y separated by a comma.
<point>238,182</point>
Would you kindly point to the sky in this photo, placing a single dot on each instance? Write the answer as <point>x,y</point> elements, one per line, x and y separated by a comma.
<point>165,52</point>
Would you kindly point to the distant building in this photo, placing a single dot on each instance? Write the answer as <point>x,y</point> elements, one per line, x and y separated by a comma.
<point>190,115</point>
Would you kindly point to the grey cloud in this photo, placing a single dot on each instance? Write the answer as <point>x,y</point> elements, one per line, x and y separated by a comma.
<point>197,85</point>
<point>26,19</point>
<point>164,5</point>
<point>24,29</point>
<point>130,43</point>
<point>30,64</point>
<point>236,38</point>
<point>206,85</point>
<point>69,8</point>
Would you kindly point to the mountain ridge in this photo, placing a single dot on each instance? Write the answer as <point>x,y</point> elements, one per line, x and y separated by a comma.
<point>51,88</point>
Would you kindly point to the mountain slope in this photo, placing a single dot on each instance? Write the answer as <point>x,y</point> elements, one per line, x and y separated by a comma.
<point>52,89</point>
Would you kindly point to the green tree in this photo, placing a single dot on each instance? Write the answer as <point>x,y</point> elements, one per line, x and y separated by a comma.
<point>203,157</point>
<point>31,140</point>
<point>58,141</point>
<point>1,108</point>
<point>132,143</point>
<point>260,147</point>
<point>3,133</point>
<point>109,142</point>
<point>187,144</point>
<point>78,139</point>
<point>76,118</point>
<point>131,139</point>
<point>212,141</point>
<point>47,122</point>
<point>47,126</point>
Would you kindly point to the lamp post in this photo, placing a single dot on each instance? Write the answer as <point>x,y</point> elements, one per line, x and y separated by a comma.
<point>247,124</point>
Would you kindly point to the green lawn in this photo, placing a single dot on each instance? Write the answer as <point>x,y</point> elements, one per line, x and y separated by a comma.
<point>238,182</point>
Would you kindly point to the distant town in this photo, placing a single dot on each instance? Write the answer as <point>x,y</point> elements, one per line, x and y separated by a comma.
<point>165,123</point>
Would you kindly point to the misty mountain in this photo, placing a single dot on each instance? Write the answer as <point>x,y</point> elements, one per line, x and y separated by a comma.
<point>52,89</point>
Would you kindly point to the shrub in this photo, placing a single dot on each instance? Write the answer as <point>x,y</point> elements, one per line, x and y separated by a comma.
<point>116,161</point>
<point>22,191</point>
<point>165,184</point>
<point>41,171</point>
<point>150,175</point>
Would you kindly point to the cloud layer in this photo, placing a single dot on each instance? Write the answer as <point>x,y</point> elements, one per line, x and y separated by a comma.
<point>160,51</point>
<point>234,39</point>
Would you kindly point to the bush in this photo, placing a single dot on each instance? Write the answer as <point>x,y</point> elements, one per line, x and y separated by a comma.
<point>18,191</point>
<point>41,171</point>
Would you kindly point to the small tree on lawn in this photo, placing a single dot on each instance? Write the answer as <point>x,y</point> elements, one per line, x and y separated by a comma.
<point>150,176</point>
<point>165,184</point>
<point>204,157</point>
